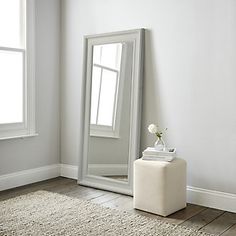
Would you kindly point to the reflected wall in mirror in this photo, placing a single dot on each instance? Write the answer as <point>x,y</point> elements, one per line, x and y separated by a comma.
<point>110,111</point>
<point>113,72</point>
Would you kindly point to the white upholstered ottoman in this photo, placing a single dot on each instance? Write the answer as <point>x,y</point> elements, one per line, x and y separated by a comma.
<point>159,186</point>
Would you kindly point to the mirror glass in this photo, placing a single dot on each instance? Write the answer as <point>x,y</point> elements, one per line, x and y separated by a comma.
<point>112,110</point>
<point>108,147</point>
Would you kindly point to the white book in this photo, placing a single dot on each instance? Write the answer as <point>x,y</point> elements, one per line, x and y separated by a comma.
<point>151,151</point>
<point>159,158</point>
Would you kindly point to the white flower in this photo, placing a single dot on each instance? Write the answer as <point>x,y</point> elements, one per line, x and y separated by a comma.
<point>152,129</point>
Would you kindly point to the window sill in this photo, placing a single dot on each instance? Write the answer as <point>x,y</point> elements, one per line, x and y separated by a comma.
<point>20,136</point>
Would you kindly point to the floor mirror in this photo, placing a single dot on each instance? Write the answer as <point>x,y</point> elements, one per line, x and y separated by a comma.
<point>113,71</point>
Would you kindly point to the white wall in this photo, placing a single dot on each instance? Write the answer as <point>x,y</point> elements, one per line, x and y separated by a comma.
<point>189,85</point>
<point>22,154</point>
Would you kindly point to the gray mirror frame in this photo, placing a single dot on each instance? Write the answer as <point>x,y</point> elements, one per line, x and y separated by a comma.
<point>137,37</point>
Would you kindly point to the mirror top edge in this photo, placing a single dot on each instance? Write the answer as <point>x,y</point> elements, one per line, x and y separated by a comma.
<point>114,33</point>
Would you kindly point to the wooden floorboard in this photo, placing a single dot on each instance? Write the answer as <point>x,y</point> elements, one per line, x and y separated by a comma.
<point>209,220</point>
<point>202,219</point>
<point>105,198</point>
<point>221,224</point>
<point>59,183</point>
<point>183,215</point>
<point>118,203</point>
<point>230,232</point>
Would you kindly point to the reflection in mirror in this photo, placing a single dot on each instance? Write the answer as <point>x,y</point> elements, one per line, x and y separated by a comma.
<point>108,148</point>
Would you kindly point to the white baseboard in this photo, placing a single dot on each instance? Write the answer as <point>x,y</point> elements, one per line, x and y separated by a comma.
<point>199,196</point>
<point>209,198</point>
<point>24,177</point>
<point>69,171</point>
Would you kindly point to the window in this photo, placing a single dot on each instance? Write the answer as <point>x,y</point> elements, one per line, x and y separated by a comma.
<point>105,85</point>
<point>16,68</point>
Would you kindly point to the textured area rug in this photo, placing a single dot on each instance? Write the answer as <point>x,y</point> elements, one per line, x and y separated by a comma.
<point>45,213</point>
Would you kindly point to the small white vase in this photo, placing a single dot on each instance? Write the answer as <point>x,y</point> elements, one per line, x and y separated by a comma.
<point>160,145</point>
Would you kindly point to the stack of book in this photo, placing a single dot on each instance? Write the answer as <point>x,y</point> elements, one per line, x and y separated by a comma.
<point>152,154</point>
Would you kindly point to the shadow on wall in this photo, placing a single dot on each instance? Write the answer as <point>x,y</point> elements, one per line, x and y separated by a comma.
<point>151,104</point>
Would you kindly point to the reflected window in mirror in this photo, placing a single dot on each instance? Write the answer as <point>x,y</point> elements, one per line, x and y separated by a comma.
<point>106,83</point>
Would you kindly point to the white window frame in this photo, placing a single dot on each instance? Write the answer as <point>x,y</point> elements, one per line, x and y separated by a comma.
<point>113,131</point>
<point>27,127</point>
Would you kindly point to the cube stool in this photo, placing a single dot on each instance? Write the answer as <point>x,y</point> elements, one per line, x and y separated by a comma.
<point>159,186</point>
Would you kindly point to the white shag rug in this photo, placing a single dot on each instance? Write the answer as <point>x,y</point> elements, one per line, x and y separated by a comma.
<point>46,213</point>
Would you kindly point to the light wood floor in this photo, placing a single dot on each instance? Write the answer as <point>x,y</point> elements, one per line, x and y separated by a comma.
<point>201,218</point>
